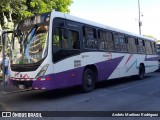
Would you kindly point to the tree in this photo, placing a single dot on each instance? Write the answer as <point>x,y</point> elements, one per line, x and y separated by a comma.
<point>158,41</point>
<point>12,11</point>
<point>41,6</point>
<point>16,10</point>
<point>149,36</point>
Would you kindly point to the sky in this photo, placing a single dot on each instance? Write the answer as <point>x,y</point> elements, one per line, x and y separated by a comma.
<point>121,14</point>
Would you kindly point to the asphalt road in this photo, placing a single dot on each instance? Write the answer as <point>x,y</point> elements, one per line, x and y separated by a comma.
<point>125,94</point>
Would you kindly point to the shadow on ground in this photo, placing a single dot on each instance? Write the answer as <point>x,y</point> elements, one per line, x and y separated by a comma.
<point>60,93</point>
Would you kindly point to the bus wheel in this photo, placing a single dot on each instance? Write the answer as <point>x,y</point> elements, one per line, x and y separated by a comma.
<point>88,82</point>
<point>141,72</point>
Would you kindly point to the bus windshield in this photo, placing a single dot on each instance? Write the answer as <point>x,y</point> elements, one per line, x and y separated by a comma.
<point>30,46</point>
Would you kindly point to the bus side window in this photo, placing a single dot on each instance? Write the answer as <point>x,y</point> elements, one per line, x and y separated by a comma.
<point>90,40</point>
<point>153,47</point>
<point>105,40</point>
<point>132,48</point>
<point>74,38</point>
<point>60,39</point>
<point>117,43</point>
<point>148,47</point>
<point>101,36</point>
<point>120,43</point>
<point>140,46</point>
<point>110,41</point>
<point>158,49</point>
<point>64,38</point>
<point>56,40</point>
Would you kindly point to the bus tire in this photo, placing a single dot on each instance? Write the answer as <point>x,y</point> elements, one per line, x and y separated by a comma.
<point>89,79</point>
<point>141,72</point>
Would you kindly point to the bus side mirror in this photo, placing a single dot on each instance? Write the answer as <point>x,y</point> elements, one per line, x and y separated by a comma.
<point>4,36</point>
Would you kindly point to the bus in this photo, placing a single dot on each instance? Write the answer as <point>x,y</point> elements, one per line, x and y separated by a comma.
<point>57,50</point>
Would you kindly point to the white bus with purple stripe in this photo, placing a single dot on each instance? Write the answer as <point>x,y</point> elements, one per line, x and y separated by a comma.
<point>57,50</point>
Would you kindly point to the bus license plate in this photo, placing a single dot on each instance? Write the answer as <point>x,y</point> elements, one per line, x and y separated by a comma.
<point>21,86</point>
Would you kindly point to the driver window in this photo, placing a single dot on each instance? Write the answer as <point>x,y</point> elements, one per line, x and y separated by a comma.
<point>65,39</point>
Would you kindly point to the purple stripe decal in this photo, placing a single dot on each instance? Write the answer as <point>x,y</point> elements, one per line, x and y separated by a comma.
<point>74,77</point>
<point>61,80</point>
<point>106,68</point>
<point>152,58</point>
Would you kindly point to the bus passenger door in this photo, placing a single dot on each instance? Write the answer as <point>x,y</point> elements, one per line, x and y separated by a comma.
<point>66,50</point>
<point>66,41</point>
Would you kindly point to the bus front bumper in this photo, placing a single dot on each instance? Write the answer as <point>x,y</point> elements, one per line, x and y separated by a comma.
<point>34,84</point>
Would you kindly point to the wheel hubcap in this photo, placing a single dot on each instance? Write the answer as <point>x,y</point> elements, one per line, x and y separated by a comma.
<point>89,80</point>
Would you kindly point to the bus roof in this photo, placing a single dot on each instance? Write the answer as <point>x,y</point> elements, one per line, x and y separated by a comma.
<point>24,24</point>
<point>88,22</point>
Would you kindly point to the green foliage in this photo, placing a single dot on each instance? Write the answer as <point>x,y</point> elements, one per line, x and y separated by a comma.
<point>158,41</point>
<point>17,10</point>
<point>14,10</point>
<point>41,6</point>
<point>149,36</point>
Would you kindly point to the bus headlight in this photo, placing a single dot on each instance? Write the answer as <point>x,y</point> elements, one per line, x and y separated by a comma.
<point>42,71</point>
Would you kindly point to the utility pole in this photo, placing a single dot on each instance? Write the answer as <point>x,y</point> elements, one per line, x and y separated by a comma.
<point>139,19</point>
